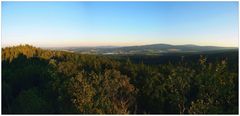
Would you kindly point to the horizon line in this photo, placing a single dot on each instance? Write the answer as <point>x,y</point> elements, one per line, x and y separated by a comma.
<point>4,46</point>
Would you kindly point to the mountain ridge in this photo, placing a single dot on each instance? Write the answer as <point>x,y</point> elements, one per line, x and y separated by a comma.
<point>144,49</point>
<point>112,46</point>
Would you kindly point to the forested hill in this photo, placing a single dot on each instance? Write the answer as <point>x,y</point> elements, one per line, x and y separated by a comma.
<point>153,49</point>
<point>43,81</point>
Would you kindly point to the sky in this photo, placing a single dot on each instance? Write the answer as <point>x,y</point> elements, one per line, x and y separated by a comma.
<point>65,24</point>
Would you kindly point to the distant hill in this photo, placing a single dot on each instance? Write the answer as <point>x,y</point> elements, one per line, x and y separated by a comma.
<point>145,49</point>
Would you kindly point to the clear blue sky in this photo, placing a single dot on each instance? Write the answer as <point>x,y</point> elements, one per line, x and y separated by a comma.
<point>54,24</point>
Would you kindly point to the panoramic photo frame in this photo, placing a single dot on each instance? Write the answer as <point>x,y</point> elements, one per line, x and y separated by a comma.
<point>120,57</point>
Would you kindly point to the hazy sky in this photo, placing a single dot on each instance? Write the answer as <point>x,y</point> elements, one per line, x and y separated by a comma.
<point>119,23</point>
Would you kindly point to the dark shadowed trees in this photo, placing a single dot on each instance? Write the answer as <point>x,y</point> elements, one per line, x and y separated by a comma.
<point>44,81</point>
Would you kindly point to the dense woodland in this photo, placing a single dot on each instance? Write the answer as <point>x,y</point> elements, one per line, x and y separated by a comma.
<point>35,80</point>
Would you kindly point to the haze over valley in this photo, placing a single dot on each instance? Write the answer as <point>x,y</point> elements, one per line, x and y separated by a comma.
<point>153,49</point>
<point>120,57</point>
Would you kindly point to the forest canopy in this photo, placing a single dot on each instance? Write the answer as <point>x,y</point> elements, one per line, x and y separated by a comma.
<point>36,80</point>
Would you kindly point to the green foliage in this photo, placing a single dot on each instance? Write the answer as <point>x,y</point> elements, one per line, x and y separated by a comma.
<point>43,81</point>
<point>109,93</point>
<point>30,101</point>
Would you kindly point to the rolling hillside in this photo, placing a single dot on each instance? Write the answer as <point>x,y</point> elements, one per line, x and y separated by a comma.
<point>144,49</point>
